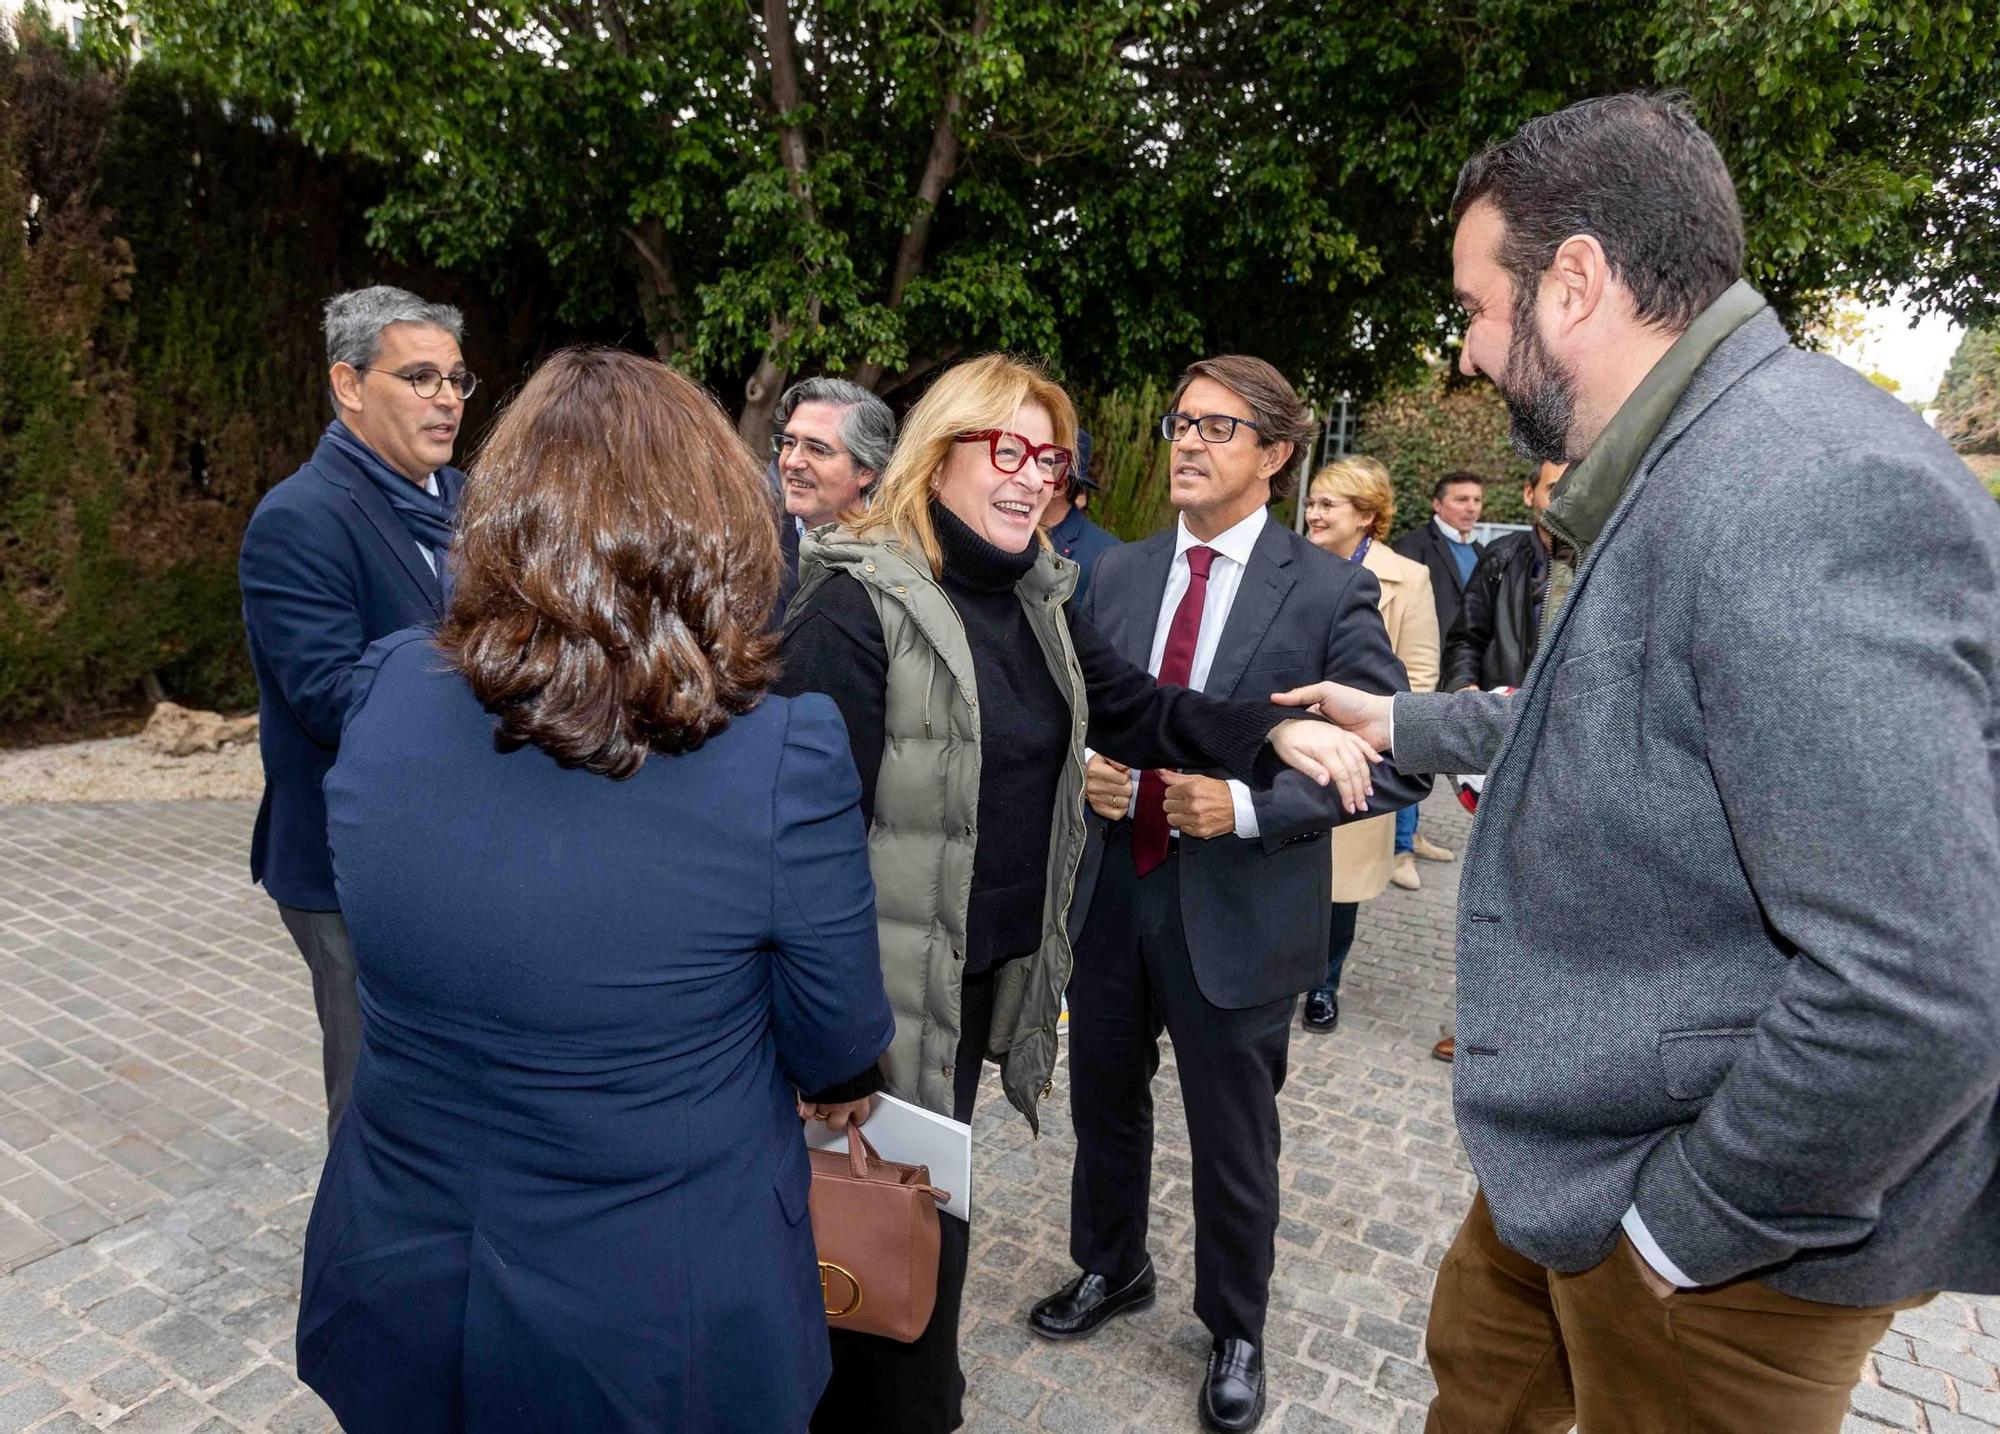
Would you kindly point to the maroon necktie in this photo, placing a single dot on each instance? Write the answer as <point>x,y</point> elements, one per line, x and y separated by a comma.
<point>1149,823</point>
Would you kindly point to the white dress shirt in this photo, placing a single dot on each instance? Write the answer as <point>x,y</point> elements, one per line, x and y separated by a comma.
<point>430,558</point>
<point>1225,576</point>
<point>1450,533</point>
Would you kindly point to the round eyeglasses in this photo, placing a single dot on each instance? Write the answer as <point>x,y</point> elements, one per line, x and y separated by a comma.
<point>1011,453</point>
<point>1213,427</point>
<point>426,382</point>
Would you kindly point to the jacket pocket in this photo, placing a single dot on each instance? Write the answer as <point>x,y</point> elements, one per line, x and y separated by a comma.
<point>1597,670</point>
<point>1693,1063</point>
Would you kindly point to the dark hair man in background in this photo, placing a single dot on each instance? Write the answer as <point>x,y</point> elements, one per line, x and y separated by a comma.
<point>1445,544</point>
<point>1076,537</point>
<point>1730,970</point>
<point>348,549</point>
<point>1500,619</point>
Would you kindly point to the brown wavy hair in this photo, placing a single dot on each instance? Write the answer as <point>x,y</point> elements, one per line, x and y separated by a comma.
<point>615,566</point>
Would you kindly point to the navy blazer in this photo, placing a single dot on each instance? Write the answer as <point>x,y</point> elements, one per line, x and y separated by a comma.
<point>327,568</point>
<point>1083,542</point>
<point>570,1190</point>
<point>1426,545</point>
<point>1256,912</point>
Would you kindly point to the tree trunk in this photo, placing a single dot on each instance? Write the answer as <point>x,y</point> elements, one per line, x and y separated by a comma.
<point>760,403</point>
<point>659,288</point>
<point>940,165</point>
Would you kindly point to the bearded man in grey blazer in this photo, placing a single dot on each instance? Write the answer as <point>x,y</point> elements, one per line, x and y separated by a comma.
<point>1728,1062</point>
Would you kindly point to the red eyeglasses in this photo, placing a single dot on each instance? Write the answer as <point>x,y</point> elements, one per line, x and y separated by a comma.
<point>1011,453</point>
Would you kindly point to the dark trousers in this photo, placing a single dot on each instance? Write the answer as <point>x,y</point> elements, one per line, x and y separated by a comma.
<point>1134,978</point>
<point>1339,941</point>
<point>880,1386</point>
<point>321,937</point>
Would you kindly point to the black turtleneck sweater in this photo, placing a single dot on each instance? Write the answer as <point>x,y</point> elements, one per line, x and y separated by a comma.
<point>835,646</point>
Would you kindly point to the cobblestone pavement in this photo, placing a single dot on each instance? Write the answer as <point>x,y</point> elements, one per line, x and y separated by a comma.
<point>161,1134</point>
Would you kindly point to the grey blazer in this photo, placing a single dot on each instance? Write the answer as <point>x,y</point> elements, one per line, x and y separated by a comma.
<point>1255,912</point>
<point>1729,923</point>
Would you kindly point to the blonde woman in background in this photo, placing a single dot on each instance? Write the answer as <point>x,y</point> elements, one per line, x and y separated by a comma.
<point>1348,512</point>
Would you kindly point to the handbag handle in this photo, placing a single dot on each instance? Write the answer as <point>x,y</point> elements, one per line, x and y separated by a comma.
<point>860,1152</point>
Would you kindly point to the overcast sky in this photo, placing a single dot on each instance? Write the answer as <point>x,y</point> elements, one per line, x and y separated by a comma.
<point>1914,357</point>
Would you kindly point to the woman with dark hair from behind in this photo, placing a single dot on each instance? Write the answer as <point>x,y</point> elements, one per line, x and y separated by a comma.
<point>610,905</point>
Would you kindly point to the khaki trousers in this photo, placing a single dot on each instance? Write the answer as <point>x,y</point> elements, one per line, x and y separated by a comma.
<point>1519,1349</point>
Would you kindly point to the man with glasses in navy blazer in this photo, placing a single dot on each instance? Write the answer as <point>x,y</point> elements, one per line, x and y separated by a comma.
<point>350,548</point>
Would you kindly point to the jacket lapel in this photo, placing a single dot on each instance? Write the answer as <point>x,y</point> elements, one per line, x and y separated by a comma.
<point>1258,598</point>
<point>388,527</point>
<point>1139,614</point>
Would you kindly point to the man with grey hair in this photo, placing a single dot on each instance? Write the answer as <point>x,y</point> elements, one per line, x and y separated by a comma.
<point>831,441</point>
<point>348,549</point>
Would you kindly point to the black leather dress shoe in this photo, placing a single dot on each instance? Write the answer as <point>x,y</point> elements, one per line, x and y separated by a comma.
<point>1232,1396</point>
<point>1087,1301</point>
<point>1322,1011</point>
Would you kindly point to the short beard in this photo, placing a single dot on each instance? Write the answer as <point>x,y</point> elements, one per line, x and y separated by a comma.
<point>1540,394</point>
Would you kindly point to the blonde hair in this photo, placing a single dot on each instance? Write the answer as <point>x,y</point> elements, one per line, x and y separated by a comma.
<point>984,392</point>
<point>1364,482</point>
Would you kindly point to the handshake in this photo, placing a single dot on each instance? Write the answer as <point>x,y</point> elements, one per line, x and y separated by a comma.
<point>1340,755</point>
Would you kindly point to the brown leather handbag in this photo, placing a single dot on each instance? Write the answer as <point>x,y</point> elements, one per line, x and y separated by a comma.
<point>876,1225</point>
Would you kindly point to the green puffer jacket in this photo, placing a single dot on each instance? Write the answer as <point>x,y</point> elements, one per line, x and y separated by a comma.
<point>926,820</point>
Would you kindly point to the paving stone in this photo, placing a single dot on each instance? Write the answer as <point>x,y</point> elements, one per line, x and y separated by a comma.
<point>81,1357</point>
<point>194,1349</point>
<point>1945,1422</point>
<point>263,1388</point>
<point>168,1412</point>
<point>1926,1384</point>
<point>1886,1407</point>
<point>67,1422</point>
<point>127,1383</point>
<point>1980,1404</point>
<point>304,1414</point>
<point>122,1313</point>
<point>159,983</point>
<point>23,1406</point>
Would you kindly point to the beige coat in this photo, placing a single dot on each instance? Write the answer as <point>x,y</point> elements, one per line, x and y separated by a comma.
<point>1364,851</point>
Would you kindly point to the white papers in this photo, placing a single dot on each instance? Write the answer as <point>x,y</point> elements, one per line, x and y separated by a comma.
<point>910,1135</point>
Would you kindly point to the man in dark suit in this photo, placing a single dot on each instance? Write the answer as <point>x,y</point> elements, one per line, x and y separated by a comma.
<point>1207,911</point>
<point>1445,545</point>
<point>1074,535</point>
<point>348,549</point>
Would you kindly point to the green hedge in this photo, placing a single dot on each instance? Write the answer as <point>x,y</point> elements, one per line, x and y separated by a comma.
<point>161,365</point>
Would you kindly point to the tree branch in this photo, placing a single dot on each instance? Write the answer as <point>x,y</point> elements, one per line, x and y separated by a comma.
<point>940,165</point>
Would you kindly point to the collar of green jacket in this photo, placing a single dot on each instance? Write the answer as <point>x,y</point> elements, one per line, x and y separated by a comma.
<point>1587,495</point>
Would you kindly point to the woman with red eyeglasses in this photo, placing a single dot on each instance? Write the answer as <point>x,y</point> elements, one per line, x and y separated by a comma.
<point>938,625</point>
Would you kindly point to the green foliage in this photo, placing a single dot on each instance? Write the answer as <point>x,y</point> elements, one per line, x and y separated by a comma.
<point>1115,185</point>
<point>72,613</point>
<point>1434,425</point>
<point>1968,400</point>
<point>161,366</point>
<point>1128,459</point>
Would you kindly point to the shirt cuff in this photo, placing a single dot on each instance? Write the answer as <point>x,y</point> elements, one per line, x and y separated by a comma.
<point>1246,813</point>
<point>1392,724</point>
<point>1650,1251</point>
